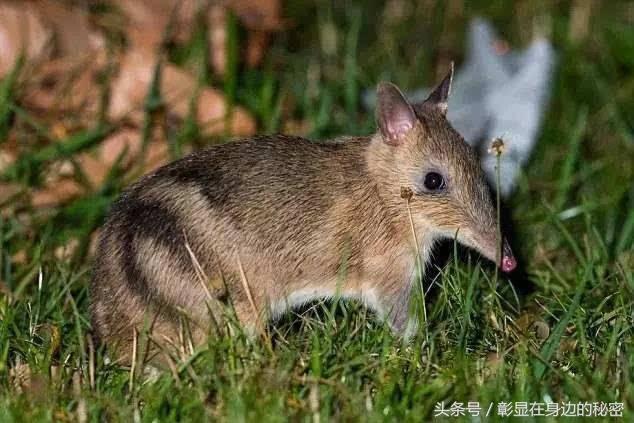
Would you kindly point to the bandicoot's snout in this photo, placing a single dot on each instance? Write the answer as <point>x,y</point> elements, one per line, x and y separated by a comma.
<point>487,244</point>
<point>508,262</point>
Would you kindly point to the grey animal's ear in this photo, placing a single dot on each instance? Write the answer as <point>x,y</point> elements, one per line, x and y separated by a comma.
<point>394,115</point>
<point>439,97</point>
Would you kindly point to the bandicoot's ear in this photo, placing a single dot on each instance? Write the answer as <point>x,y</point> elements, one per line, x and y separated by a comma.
<point>438,98</point>
<point>394,115</point>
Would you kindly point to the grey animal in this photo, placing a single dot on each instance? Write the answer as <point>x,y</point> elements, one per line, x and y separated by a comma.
<point>271,221</point>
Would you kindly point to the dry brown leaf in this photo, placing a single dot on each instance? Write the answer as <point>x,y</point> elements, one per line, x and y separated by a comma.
<point>178,87</point>
<point>95,170</point>
<point>66,85</point>
<point>4,289</point>
<point>148,20</point>
<point>19,257</point>
<point>71,25</point>
<point>8,190</point>
<point>217,36</point>
<point>297,127</point>
<point>261,15</point>
<point>98,163</point>
<point>56,193</point>
<point>9,193</point>
<point>65,252</point>
<point>157,155</point>
<point>257,42</point>
<point>7,158</point>
<point>130,87</point>
<point>114,145</point>
<point>58,171</point>
<point>22,30</point>
<point>59,130</point>
<point>260,18</point>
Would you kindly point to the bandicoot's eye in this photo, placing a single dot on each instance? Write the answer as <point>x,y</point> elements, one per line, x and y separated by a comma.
<point>434,181</point>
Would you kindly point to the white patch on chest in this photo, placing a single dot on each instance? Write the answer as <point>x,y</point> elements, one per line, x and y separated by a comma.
<point>300,297</point>
<point>425,247</point>
<point>371,300</point>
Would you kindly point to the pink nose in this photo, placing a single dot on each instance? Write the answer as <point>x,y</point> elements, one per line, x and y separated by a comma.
<point>508,264</point>
<point>508,260</point>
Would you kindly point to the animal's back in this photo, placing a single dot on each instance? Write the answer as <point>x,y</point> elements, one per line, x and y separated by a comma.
<point>259,203</point>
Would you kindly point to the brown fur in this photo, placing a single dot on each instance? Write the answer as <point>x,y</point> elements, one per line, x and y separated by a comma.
<point>293,213</point>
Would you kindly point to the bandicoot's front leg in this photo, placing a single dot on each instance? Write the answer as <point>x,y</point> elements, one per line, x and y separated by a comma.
<point>404,320</point>
<point>398,312</point>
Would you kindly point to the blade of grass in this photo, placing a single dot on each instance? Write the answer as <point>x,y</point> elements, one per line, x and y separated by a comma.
<point>7,89</point>
<point>552,343</point>
<point>572,157</point>
<point>57,150</point>
<point>468,305</point>
<point>570,240</point>
<point>626,239</point>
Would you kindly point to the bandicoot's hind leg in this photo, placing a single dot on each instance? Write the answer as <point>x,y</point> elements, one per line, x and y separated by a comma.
<point>149,289</point>
<point>246,306</point>
<point>151,337</point>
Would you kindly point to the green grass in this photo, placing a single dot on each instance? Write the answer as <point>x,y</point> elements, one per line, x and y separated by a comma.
<point>573,214</point>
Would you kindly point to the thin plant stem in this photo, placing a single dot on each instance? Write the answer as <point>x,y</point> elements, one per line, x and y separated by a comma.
<point>419,270</point>
<point>498,206</point>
